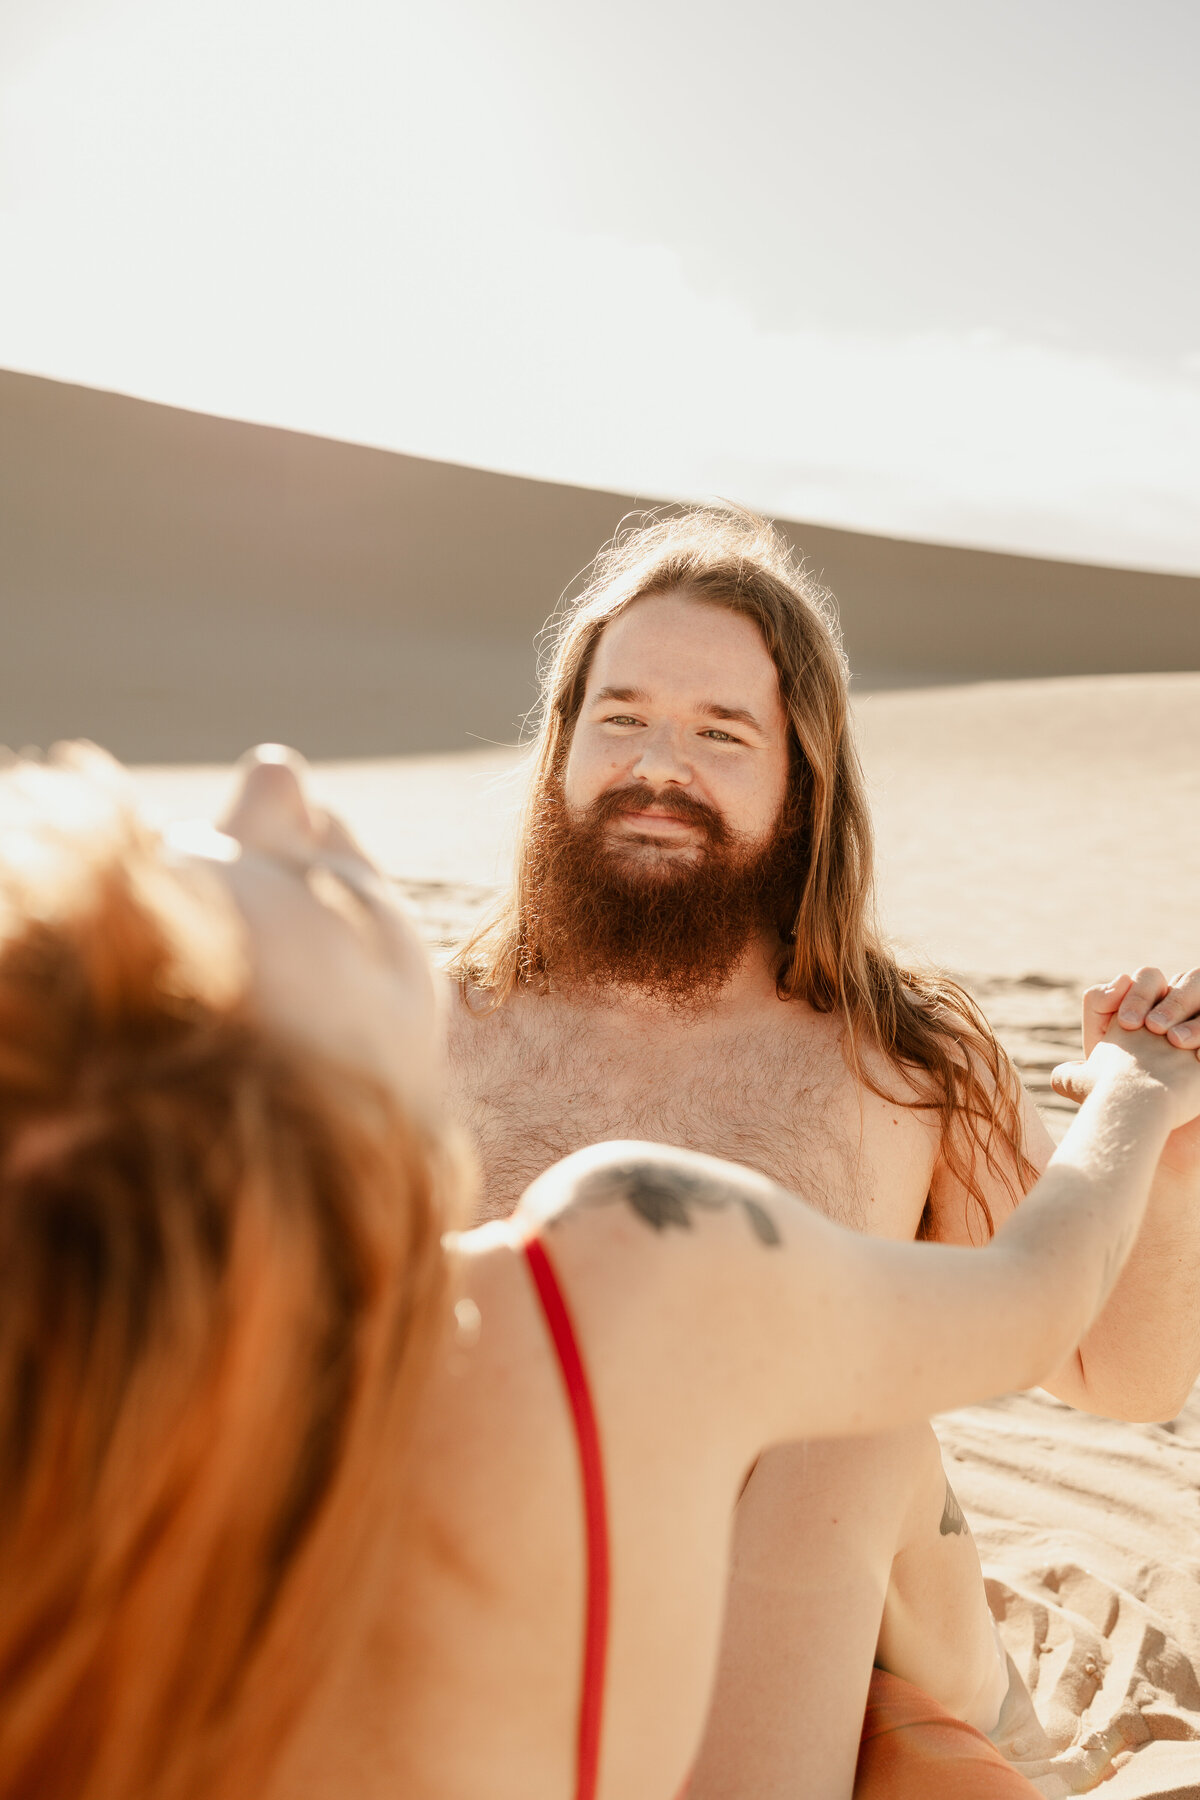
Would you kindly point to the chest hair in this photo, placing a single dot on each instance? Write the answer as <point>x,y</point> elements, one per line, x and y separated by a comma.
<point>531,1090</point>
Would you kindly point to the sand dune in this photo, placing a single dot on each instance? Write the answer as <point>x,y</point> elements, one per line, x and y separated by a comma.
<point>176,585</point>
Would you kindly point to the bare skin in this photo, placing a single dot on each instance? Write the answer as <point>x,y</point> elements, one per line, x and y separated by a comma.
<point>716,1314</point>
<point>765,1082</point>
<point>752,1078</point>
<point>806,1602</point>
<point>865,1531</point>
<point>469,1686</point>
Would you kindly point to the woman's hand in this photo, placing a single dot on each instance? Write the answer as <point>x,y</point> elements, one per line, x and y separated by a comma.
<point>1137,1053</point>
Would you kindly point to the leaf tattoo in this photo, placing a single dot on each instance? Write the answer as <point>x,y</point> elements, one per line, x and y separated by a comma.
<point>664,1197</point>
<point>765,1228</point>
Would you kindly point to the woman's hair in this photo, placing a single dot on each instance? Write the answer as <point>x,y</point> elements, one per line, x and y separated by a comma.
<point>921,1022</point>
<point>219,1276</point>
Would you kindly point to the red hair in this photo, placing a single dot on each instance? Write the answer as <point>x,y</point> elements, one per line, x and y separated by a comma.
<point>220,1271</point>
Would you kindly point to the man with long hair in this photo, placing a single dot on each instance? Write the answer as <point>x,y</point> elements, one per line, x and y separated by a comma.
<point>689,954</point>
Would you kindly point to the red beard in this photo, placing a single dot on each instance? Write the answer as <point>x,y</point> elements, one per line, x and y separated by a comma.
<point>672,927</point>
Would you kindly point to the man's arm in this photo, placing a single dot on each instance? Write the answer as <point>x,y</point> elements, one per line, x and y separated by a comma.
<point>1142,1355</point>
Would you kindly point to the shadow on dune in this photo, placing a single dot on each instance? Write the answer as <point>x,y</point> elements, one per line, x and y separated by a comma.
<point>177,586</point>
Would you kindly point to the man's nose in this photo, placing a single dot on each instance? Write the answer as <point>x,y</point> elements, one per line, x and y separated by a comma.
<point>661,760</point>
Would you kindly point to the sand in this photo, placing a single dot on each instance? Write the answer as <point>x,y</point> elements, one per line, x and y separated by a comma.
<point>1044,827</point>
<point>1090,1539</point>
<point>1034,836</point>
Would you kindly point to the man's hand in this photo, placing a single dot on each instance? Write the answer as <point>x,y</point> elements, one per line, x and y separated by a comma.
<point>1170,1009</point>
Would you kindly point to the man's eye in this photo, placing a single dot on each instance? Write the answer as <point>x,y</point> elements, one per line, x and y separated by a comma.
<point>621,719</point>
<point>721,737</point>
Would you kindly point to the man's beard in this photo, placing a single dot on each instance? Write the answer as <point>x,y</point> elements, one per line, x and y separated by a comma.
<point>673,926</point>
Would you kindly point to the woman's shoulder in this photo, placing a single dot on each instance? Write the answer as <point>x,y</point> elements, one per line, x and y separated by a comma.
<point>619,1225</point>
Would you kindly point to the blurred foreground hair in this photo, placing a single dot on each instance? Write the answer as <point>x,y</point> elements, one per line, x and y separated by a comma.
<point>220,1274</point>
<point>925,1025</point>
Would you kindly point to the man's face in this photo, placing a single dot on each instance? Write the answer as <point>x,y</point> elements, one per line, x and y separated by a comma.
<point>682,717</point>
<point>666,845</point>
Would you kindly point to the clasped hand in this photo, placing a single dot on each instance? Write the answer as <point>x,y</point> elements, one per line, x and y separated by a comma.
<point>1156,1022</point>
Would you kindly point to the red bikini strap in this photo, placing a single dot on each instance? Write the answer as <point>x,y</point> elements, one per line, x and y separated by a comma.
<point>595,1641</point>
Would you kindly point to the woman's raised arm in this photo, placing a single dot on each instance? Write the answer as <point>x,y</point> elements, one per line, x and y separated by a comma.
<point>801,1328</point>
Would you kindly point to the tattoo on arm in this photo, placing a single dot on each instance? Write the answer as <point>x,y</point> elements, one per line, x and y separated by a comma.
<point>663,1197</point>
<point>953,1522</point>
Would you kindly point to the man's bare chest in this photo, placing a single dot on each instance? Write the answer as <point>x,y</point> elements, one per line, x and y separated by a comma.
<point>780,1101</point>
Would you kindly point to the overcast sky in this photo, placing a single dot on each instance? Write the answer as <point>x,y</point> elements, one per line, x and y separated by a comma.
<point>929,267</point>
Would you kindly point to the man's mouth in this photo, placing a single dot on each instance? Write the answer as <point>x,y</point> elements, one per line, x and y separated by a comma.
<point>651,823</point>
<point>633,825</point>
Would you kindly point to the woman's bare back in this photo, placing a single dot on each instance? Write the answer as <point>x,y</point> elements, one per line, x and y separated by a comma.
<point>470,1684</point>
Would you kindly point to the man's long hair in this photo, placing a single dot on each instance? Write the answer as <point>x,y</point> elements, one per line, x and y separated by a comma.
<point>926,1026</point>
<point>220,1274</point>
